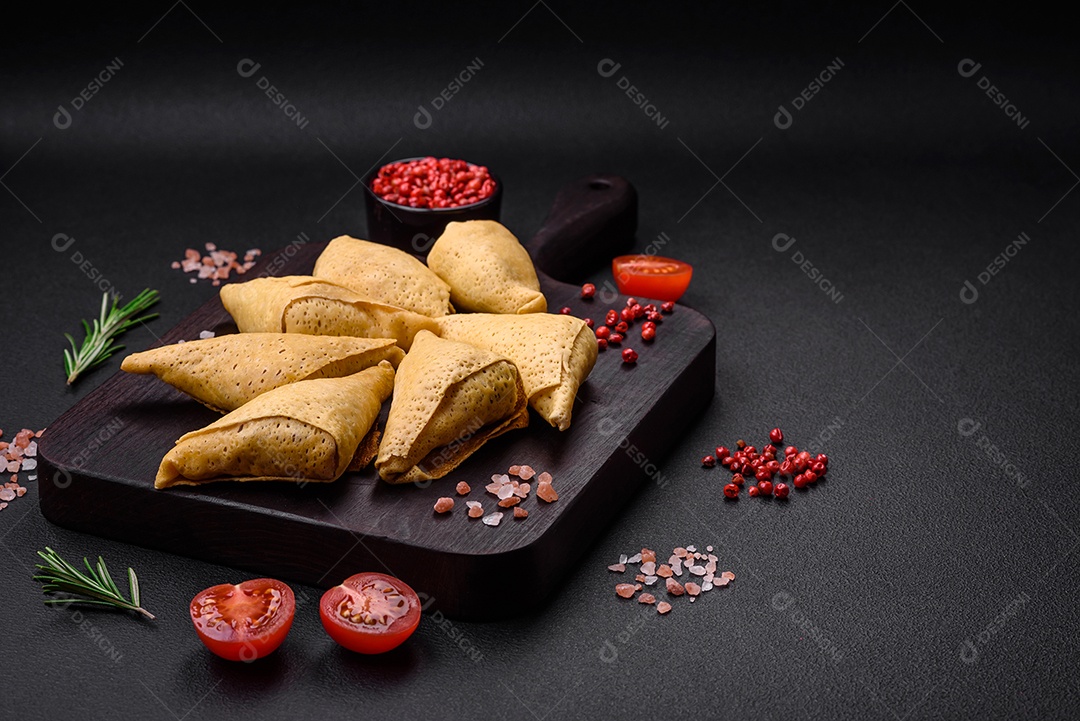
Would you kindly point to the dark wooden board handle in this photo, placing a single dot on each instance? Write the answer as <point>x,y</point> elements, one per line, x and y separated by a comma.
<point>593,219</point>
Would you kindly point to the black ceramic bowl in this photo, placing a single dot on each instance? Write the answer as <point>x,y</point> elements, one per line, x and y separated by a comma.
<point>415,230</point>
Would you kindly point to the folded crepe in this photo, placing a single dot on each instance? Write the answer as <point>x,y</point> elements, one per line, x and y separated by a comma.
<point>385,274</point>
<point>302,304</point>
<point>226,372</point>
<point>487,268</point>
<point>553,353</point>
<point>449,399</point>
<point>304,431</point>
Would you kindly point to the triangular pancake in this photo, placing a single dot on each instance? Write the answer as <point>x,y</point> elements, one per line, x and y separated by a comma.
<point>226,372</point>
<point>553,353</point>
<point>302,304</point>
<point>450,398</point>
<point>301,432</point>
<point>384,274</point>
<point>488,270</point>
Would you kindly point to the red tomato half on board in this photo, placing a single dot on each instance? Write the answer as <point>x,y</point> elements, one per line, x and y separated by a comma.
<point>651,276</point>
<point>245,621</point>
<point>370,612</point>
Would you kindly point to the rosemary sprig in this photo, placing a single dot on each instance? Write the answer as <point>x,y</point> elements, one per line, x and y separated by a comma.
<point>99,345</point>
<point>98,585</point>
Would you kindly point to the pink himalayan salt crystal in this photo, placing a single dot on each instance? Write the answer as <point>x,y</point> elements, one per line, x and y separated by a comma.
<point>625,590</point>
<point>545,476</point>
<point>526,472</point>
<point>648,555</point>
<point>509,501</point>
<point>520,512</point>
<point>647,598</point>
<point>663,607</point>
<point>692,588</point>
<point>649,569</point>
<point>514,470</point>
<point>463,488</point>
<point>522,490</point>
<point>476,509</point>
<point>493,519</point>
<point>617,567</point>
<point>444,504</point>
<point>675,588</point>
<point>505,491</point>
<point>664,571</point>
<point>547,493</point>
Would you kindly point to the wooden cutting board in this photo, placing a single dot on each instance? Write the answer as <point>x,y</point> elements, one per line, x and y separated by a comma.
<point>99,459</point>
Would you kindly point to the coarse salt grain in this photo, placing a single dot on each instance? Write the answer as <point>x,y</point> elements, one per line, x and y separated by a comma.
<point>675,588</point>
<point>505,491</point>
<point>650,580</point>
<point>522,490</point>
<point>475,509</point>
<point>692,588</point>
<point>664,571</point>
<point>648,555</point>
<point>493,519</point>
<point>526,472</point>
<point>647,598</point>
<point>648,568</point>
<point>663,607</point>
<point>544,477</point>
<point>636,558</point>
<point>509,502</point>
<point>547,493</point>
<point>444,504</point>
<point>625,590</point>
<point>520,512</point>
<point>462,488</point>
<point>617,567</point>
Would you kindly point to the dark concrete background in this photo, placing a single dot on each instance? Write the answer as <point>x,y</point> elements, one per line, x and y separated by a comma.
<point>930,577</point>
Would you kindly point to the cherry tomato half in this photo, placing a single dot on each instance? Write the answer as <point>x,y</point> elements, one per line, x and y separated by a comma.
<point>651,276</point>
<point>370,612</point>
<point>245,621</point>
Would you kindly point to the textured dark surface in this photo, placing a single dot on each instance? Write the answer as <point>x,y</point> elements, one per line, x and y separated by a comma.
<point>900,180</point>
